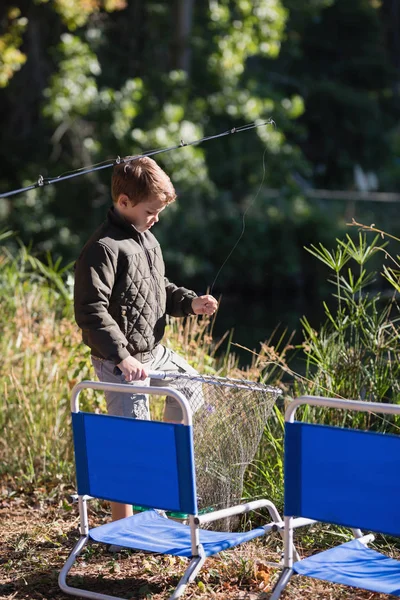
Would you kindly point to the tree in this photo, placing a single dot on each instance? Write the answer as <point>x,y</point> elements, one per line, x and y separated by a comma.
<point>106,78</point>
<point>336,57</point>
<point>12,58</point>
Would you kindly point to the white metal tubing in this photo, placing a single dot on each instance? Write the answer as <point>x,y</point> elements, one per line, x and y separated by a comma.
<point>288,543</point>
<point>281,584</point>
<point>239,509</point>
<point>366,539</point>
<point>194,536</point>
<point>297,522</point>
<point>129,389</point>
<point>276,523</point>
<point>78,591</point>
<point>84,523</point>
<point>193,568</point>
<point>357,533</point>
<point>75,498</point>
<point>81,543</point>
<point>188,576</point>
<point>357,405</point>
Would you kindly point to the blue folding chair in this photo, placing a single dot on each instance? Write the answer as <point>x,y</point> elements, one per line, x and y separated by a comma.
<point>148,463</point>
<point>345,477</point>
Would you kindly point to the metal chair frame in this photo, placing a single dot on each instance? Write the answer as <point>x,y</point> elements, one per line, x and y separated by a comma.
<point>195,520</point>
<point>290,522</point>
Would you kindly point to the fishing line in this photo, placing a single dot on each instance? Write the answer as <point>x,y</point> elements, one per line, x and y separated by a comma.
<point>243,223</point>
<point>42,181</point>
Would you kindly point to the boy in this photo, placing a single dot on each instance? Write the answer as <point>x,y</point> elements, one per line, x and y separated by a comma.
<point>121,296</point>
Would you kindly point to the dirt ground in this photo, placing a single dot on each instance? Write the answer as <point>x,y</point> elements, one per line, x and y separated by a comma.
<point>36,537</point>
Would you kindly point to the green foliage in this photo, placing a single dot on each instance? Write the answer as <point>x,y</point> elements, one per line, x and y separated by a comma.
<point>11,57</point>
<point>108,78</point>
<point>111,78</point>
<point>73,88</point>
<point>76,13</point>
<point>240,30</point>
<point>23,271</point>
<point>335,57</point>
<point>355,352</point>
<point>100,106</point>
<point>264,477</point>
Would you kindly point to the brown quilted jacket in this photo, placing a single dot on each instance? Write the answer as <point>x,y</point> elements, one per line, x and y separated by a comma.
<point>121,296</point>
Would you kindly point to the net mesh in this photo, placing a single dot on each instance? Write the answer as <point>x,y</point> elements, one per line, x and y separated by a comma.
<point>229,416</point>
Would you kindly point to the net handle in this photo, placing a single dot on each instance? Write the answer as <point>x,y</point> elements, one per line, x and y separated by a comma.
<point>214,379</point>
<point>198,376</point>
<point>157,374</point>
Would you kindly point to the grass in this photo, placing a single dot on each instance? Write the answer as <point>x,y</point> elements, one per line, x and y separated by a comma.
<point>43,358</point>
<point>354,354</point>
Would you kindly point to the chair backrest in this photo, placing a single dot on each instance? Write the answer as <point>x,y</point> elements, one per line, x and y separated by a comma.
<point>343,476</point>
<point>132,461</point>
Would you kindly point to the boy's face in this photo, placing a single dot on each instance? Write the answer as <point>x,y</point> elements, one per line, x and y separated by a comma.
<point>142,215</point>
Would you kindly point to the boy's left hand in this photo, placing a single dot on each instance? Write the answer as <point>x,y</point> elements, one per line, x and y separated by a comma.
<point>204,305</point>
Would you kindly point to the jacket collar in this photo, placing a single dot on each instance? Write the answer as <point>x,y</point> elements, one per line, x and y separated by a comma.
<point>118,221</point>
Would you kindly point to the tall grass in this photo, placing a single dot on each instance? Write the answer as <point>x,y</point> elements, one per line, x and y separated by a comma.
<point>40,361</point>
<point>355,353</point>
<point>43,357</point>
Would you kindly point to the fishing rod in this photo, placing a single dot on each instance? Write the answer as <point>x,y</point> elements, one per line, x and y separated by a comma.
<point>42,181</point>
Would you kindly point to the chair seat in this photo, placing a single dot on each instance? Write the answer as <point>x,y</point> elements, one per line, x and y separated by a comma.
<point>154,533</point>
<point>354,564</point>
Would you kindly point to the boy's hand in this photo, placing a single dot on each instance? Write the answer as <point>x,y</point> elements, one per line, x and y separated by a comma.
<point>204,305</point>
<point>132,369</point>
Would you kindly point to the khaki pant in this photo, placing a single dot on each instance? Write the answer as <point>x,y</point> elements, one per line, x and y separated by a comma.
<point>137,405</point>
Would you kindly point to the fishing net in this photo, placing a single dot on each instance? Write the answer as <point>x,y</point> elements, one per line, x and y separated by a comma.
<point>229,416</point>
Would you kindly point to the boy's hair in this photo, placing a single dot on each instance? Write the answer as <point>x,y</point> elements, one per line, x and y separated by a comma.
<point>140,179</point>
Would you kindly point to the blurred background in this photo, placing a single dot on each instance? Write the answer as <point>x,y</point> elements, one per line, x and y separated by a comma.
<point>83,81</point>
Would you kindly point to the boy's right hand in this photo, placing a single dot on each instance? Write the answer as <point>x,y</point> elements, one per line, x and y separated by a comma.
<point>132,369</point>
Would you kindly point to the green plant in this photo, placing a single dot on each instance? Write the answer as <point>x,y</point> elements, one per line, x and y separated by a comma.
<point>355,352</point>
<point>264,476</point>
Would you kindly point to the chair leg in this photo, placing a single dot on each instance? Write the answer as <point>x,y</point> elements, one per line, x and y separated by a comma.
<point>70,561</point>
<point>188,576</point>
<point>68,566</point>
<point>281,583</point>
